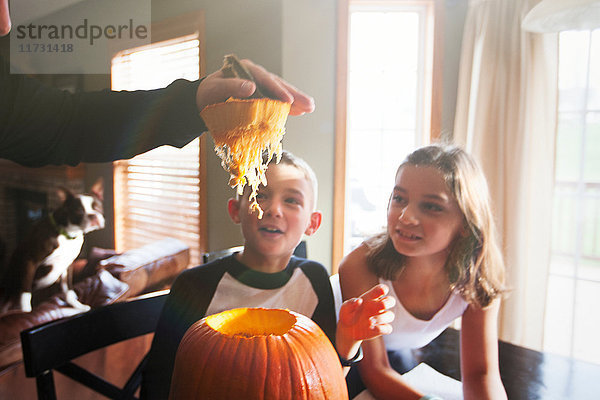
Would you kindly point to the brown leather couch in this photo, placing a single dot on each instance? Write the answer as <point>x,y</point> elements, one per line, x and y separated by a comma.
<point>104,278</point>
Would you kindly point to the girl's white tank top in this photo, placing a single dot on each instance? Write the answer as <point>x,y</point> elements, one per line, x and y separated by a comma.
<point>410,332</point>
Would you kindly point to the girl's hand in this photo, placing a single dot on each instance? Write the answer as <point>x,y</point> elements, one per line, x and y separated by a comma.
<point>367,316</point>
<point>362,318</point>
<point>216,88</point>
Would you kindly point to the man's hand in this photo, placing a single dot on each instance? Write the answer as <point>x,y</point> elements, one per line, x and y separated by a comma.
<point>216,88</point>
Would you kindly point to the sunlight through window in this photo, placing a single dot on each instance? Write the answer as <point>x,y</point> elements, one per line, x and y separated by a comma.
<point>388,114</point>
<point>157,193</point>
<point>572,323</point>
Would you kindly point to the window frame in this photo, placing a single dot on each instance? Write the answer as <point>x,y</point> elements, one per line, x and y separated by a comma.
<point>191,23</point>
<point>433,98</point>
<point>571,190</point>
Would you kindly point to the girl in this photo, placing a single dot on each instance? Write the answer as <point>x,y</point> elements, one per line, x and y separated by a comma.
<point>441,258</point>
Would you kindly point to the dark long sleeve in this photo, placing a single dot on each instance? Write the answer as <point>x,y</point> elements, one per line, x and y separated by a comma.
<point>40,125</point>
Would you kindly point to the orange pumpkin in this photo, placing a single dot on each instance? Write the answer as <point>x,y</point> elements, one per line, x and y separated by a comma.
<point>257,353</point>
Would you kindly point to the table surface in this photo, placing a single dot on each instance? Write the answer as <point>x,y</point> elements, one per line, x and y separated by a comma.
<point>526,374</point>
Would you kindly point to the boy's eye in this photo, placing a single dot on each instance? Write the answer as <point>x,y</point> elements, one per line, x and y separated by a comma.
<point>292,200</point>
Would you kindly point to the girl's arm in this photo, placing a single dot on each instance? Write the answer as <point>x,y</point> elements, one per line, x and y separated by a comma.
<point>379,377</point>
<point>479,353</point>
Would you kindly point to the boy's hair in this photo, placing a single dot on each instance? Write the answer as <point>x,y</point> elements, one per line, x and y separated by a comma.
<point>474,265</point>
<point>290,159</point>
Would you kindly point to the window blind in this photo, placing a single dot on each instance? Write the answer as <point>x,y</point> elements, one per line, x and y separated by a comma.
<point>158,194</point>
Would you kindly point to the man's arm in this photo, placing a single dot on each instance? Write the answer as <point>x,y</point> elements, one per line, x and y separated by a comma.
<point>40,125</point>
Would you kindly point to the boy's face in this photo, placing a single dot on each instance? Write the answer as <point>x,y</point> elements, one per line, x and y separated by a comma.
<point>287,202</point>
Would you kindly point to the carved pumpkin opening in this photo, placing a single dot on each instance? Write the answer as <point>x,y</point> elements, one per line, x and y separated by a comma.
<point>250,322</point>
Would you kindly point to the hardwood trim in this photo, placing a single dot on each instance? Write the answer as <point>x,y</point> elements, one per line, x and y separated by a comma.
<point>433,104</point>
<point>190,23</point>
<point>203,191</point>
<point>182,25</point>
<point>339,187</point>
<point>203,148</point>
<point>437,80</point>
<point>34,173</point>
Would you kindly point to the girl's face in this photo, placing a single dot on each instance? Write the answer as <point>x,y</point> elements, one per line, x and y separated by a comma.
<point>423,215</point>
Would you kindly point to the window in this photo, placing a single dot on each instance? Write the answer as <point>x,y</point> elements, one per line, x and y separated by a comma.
<point>573,296</point>
<point>388,111</point>
<point>160,193</point>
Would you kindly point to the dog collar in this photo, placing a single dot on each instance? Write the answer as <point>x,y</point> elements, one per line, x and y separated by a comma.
<point>60,229</point>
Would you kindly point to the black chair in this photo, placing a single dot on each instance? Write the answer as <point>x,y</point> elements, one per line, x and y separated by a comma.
<point>299,251</point>
<point>52,346</point>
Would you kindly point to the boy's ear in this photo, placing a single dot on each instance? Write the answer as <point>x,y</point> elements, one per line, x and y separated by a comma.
<point>315,222</point>
<point>233,208</point>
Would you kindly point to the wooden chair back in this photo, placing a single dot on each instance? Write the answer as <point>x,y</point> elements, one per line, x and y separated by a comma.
<point>52,346</point>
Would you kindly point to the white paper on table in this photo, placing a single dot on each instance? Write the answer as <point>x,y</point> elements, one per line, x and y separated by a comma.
<point>429,381</point>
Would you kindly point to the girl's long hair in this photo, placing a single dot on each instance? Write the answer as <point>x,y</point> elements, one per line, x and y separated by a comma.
<point>474,265</point>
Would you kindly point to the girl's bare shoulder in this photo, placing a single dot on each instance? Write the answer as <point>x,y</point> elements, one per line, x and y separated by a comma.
<point>355,276</point>
<point>354,261</point>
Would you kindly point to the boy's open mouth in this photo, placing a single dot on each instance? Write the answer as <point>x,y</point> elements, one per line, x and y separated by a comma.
<point>270,230</point>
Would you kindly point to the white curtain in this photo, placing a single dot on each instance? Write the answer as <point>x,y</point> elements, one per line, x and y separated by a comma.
<point>506,118</point>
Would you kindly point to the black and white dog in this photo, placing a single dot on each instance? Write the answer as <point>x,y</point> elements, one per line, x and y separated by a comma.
<point>53,243</point>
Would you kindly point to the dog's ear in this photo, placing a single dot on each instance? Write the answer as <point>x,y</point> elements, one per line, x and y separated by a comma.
<point>98,188</point>
<point>63,193</point>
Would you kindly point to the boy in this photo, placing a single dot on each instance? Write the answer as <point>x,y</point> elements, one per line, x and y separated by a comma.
<point>265,274</point>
